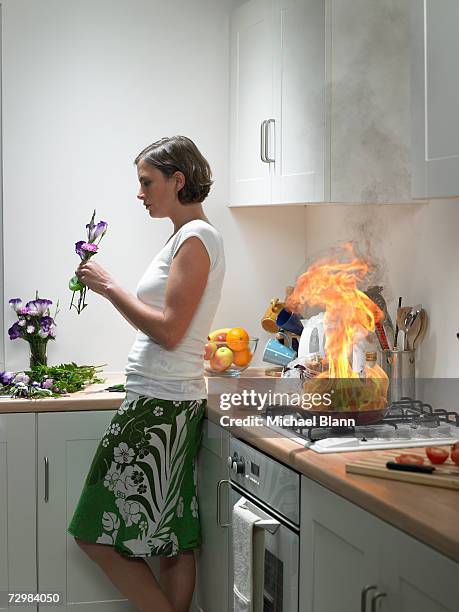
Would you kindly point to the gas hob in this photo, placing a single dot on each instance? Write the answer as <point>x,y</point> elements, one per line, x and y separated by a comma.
<point>409,423</point>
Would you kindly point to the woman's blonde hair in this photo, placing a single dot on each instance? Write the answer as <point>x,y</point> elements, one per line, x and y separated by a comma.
<point>179,153</point>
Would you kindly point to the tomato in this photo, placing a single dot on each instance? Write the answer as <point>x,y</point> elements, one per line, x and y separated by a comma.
<point>455,446</point>
<point>455,455</point>
<point>409,459</point>
<point>436,454</point>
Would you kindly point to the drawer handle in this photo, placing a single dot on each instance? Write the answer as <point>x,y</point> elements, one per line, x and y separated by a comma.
<point>46,479</point>
<point>363,598</point>
<point>219,488</point>
<point>375,599</point>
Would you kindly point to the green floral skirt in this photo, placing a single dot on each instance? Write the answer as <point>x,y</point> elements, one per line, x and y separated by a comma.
<point>140,494</point>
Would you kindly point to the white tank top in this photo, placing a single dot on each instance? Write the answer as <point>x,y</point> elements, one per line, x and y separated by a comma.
<point>177,374</point>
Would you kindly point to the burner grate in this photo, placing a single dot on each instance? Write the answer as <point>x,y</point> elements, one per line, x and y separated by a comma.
<point>404,413</point>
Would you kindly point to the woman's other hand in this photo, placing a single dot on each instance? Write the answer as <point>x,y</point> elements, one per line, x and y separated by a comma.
<point>95,277</point>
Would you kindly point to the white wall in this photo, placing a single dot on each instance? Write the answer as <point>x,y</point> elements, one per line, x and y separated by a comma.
<point>86,85</point>
<point>415,249</point>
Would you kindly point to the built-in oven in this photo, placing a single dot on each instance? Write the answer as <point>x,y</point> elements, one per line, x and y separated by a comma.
<point>272,492</point>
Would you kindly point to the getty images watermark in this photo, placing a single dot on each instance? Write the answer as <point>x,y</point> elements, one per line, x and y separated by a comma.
<point>258,401</point>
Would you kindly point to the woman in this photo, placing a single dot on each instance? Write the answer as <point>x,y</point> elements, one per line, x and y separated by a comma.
<point>139,499</point>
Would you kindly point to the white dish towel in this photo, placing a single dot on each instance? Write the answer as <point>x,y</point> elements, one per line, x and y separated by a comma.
<point>248,559</point>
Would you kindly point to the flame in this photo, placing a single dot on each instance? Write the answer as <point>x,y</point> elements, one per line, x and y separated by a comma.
<point>350,314</point>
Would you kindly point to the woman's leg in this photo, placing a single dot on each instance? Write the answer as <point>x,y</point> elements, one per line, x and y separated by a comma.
<point>177,578</point>
<point>131,576</point>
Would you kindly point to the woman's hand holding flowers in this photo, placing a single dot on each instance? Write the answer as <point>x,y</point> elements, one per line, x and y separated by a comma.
<point>94,276</point>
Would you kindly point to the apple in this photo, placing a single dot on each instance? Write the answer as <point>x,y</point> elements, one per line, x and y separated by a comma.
<point>221,337</point>
<point>209,350</point>
<point>222,359</point>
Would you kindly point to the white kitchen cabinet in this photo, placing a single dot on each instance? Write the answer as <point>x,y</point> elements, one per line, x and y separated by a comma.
<point>345,549</point>
<point>336,99</point>
<point>435,98</point>
<point>277,102</point>
<point>252,36</point>
<point>339,551</point>
<point>67,441</point>
<point>416,578</point>
<point>211,593</point>
<point>18,566</point>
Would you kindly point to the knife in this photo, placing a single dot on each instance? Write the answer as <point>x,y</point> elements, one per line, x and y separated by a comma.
<point>422,469</point>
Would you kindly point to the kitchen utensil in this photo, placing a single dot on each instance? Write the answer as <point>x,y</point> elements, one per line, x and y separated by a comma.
<point>289,321</point>
<point>397,328</point>
<point>413,331</point>
<point>384,329</point>
<point>424,322</point>
<point>268,321</point>
<point>405,467</point>
<point>445,475</point>
<point>400,369</point>
<point>409,321</point>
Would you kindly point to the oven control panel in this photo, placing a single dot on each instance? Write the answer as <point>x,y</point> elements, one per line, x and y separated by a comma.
<point>264,477</point>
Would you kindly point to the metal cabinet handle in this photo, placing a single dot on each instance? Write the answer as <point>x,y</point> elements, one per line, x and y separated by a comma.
<point>219,487</point>
<point>363,597</point>
<point>46,479</point>
<point>375,599</point>
<point>263,142</point>
<point>267,158</point>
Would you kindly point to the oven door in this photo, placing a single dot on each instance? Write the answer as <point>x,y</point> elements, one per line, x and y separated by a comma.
<point>281,558</point>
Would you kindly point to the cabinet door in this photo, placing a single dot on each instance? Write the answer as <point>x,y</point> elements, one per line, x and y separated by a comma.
<point>212,559</point>
<point>418,578</point>
<point>339,551</point>
<point>299,85</point>
<point>251,101</point>
<point>68,441</point>
<point>435,98</point>
<point>18,568</point>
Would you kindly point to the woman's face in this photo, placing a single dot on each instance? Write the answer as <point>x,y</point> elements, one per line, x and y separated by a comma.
<point>157,191</point>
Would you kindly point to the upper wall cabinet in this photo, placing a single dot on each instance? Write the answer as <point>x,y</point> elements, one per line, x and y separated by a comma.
<point>278,102</point>
<point>320,102</point>
<point>435,98</point>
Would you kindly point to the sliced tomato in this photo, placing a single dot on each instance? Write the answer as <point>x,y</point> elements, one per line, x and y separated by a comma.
<point>437,454</point>
<point>409,459</point>
<point>455,455</point>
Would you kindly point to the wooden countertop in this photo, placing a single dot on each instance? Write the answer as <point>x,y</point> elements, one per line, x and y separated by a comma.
<point>426,513</point>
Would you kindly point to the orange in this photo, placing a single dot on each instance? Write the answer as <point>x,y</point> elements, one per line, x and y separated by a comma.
<point>242,358</point>
<point>237,339</point>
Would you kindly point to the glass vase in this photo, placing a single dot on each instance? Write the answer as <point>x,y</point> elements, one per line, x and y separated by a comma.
<point>38,353</point>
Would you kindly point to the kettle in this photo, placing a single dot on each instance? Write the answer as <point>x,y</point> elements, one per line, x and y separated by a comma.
<point>312,340</point>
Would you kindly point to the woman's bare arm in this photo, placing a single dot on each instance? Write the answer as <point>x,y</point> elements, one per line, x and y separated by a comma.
<point>185,286</point>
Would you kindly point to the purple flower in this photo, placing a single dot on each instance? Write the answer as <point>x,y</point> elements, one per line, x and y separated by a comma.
<point>21,322</point>
<point>21,377</point>
<point>16,304</point>
<point>47,384</point>
<point>23,311</point>
<point>94,231</point>
<point>6,377</point>
<point>84,249</point>
<point>38,307</point>
<point>43,333</point>
<point>15,331</point>
<point>52,331</point>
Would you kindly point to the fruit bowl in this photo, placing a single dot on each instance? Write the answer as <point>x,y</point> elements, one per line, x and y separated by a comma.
<point>229,352</point>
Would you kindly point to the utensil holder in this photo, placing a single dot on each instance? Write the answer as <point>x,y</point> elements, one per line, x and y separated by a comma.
<point>400,369</point>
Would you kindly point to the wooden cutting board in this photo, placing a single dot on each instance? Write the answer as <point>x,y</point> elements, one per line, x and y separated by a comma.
<point>446,475</point>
